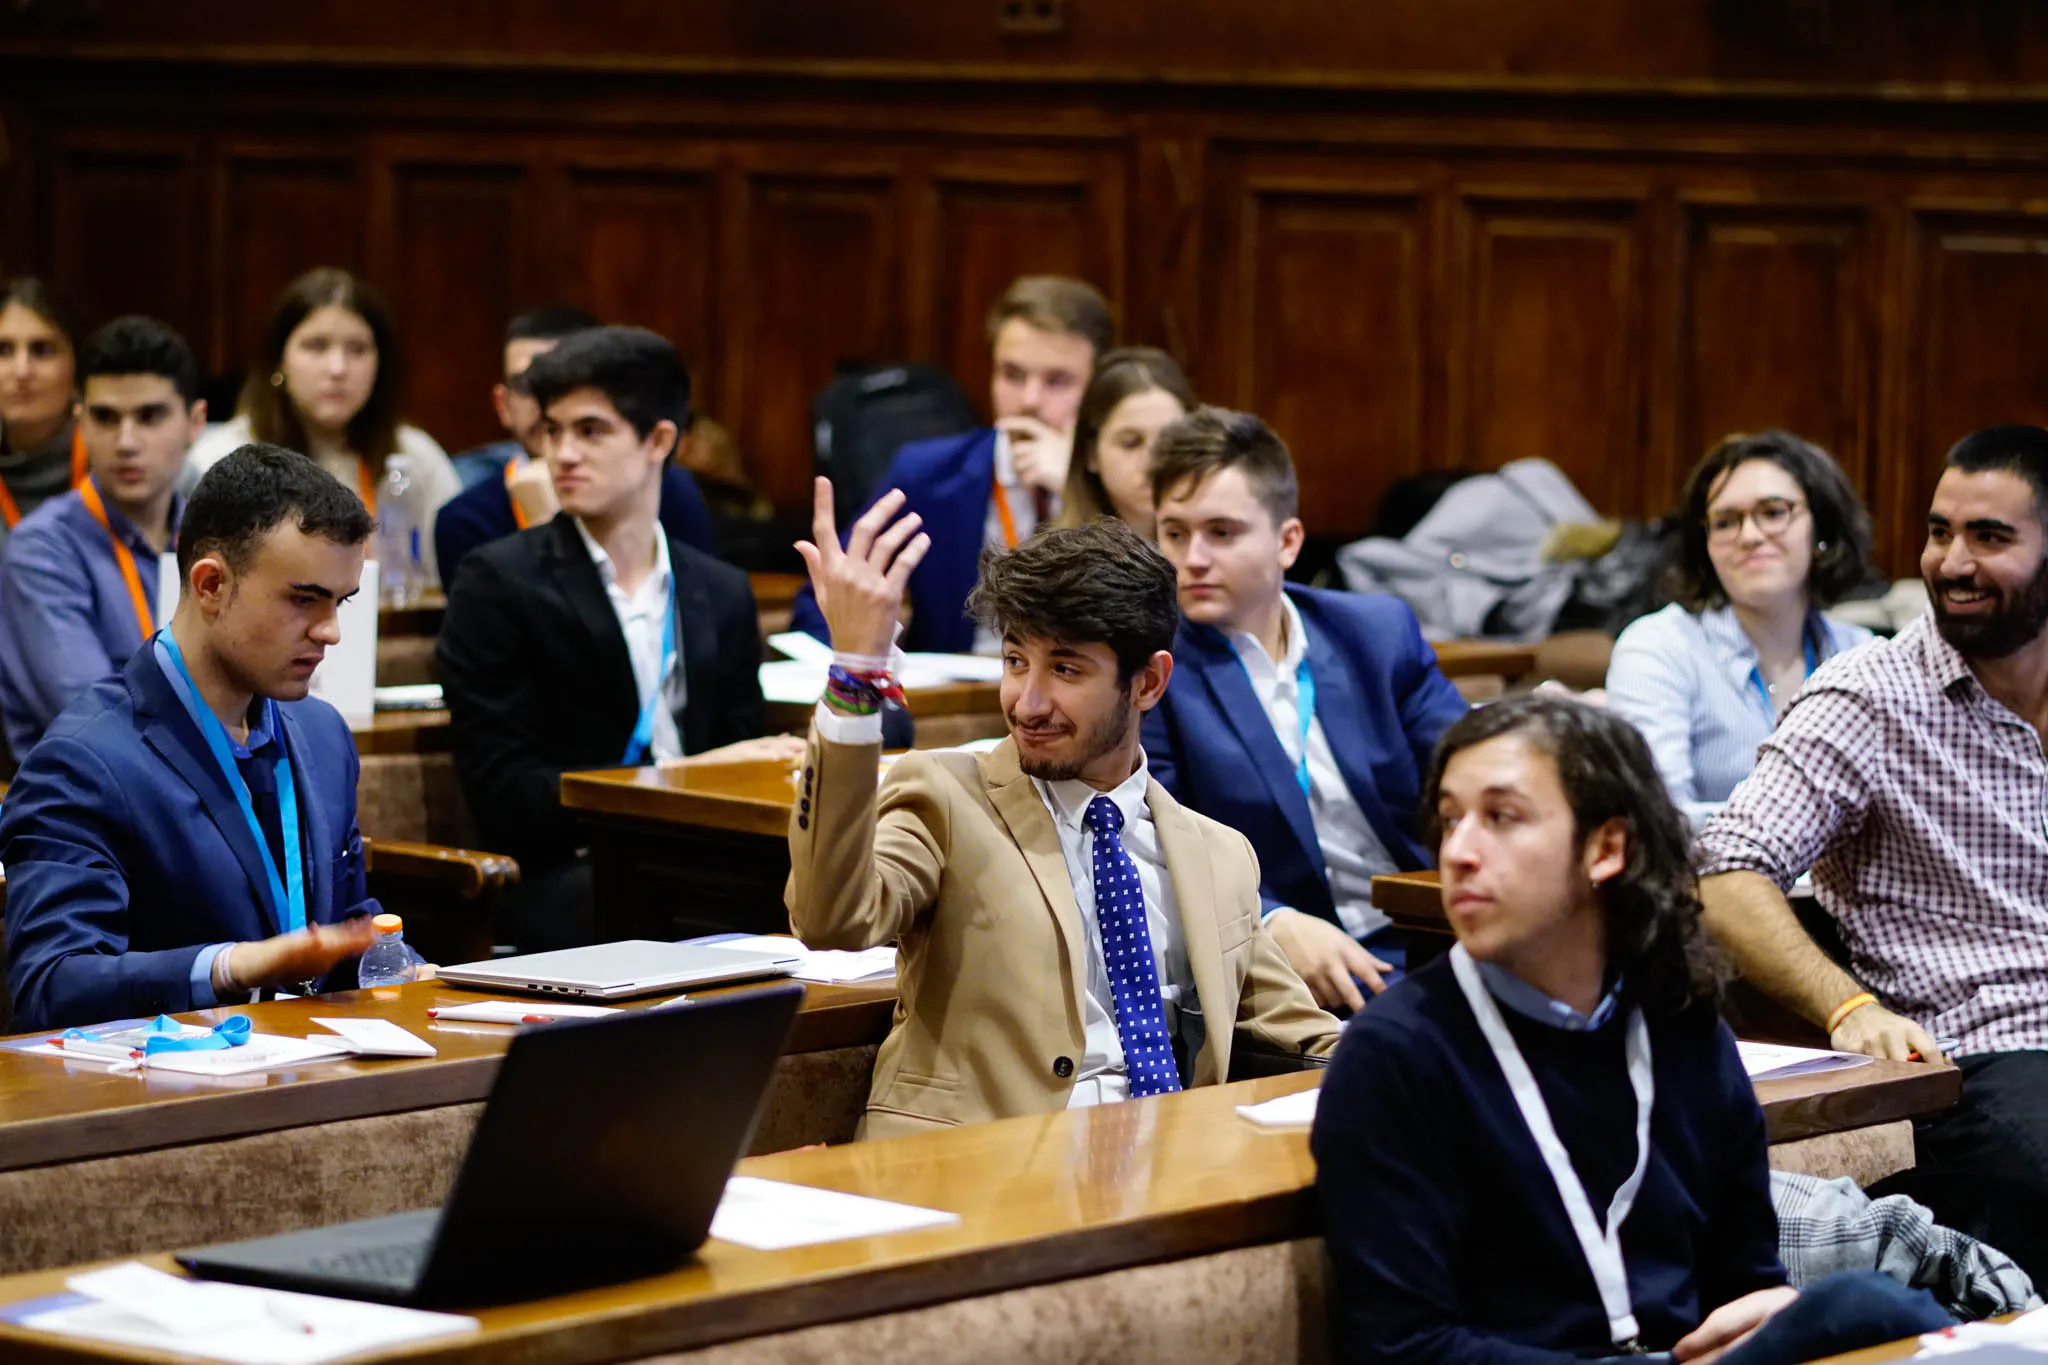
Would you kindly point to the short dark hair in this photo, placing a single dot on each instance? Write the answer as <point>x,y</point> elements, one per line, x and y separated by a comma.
<point>1054,303</point>
<point>2015,449</point>
<point>274,418</point>
<point>1841,526</point>
<point>1652,907</point>
<point>46,300</point>
<point>256,489</point>
<point>1211,439</point>
<point>635,369</point>
<point>1099,584</point>
<point>140,345</point>
<point>549,322</point>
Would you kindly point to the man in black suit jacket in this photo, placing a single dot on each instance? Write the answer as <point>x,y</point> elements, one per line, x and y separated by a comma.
<point>596,640</point>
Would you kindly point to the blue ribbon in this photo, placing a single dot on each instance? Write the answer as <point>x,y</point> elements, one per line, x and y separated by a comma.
<point>164,1035</point>
<point>287,893</point>
<point>643,729</point>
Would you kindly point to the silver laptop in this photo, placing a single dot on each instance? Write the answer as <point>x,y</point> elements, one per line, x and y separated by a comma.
<point>610,971</point>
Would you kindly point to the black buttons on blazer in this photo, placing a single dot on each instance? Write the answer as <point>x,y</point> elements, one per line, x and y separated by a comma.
<point>1063,1067</point>
<point>803,822</point>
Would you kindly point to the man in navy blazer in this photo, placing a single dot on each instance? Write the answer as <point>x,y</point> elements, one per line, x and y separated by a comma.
<point>994,486</point>
<point>153,862</point>
<point>1303,719</point>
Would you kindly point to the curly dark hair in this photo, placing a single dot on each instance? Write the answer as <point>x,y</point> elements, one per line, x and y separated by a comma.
<point>1654,936</point>
<point>1099,584</point>
<point>1841,526</point>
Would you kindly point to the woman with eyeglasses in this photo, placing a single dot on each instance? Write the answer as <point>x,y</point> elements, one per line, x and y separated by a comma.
<point>1771,534</point>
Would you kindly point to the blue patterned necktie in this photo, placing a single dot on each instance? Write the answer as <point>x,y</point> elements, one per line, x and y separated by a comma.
<point>1127,954</point>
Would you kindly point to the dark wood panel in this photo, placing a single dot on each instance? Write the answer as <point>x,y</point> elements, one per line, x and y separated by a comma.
<point>280,215</point>
<point>1547,341</point>
<point>1776,328</point>
<point>1320,329</point>
<point>456,270</point>
<point>643,253</point>
<point>125,225</point>
<point>818,285</point>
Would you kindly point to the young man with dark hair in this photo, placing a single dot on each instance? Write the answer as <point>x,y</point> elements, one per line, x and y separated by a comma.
<point>78,577</point>
<point>1909,776</point>
<point>596,639</point>
<point>991,488</point>
<point>506,485</point>
<point>1303,718</point>
<point>186,832</point>
<point>1068,933</point>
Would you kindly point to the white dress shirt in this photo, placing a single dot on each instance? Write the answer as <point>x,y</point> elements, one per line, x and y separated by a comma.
<point>640,621</point>
<point>1023,501</point>
<point>1352,852</point>
<point>1100,1077</point>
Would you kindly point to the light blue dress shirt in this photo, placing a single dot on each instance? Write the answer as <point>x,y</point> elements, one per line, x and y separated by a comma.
<point>1689,682</point>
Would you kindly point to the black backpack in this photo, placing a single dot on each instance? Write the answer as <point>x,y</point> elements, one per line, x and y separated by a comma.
<point>862,418</point>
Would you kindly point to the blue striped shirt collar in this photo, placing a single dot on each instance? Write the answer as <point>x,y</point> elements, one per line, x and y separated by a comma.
<point>1531,1003</point>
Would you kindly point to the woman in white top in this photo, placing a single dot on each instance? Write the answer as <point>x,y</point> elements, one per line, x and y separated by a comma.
<point>326,384</point>
<point>1771,534</point>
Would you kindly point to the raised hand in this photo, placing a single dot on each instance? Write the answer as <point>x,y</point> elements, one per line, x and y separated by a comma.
<point>301,955</point>
<point>860,588</point>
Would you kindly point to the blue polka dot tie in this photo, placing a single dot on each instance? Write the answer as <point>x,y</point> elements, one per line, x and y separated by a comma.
<point>1127,954</point>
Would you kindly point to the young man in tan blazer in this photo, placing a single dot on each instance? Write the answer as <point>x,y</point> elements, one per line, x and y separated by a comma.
<point>1068,933</point>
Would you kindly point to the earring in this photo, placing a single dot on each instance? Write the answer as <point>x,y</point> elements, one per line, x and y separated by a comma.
<point>1820,545</point>
<point>277,379</point>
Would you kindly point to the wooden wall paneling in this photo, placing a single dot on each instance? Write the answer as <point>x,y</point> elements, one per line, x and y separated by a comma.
<point>815,277</point>
<point>1164,296</point>
<point>642,252</point>
<point>125,220</point>
<point>1547,331</point>
<point>19,163</point>
<point>279,211</point>
<point>1776,327</point>
<point>457,267</point>
<point>1001,215</point>
<point>1975,302</point>
<point>1319,325</point>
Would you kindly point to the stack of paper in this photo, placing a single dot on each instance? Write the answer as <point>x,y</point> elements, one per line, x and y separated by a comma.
<point>1289,1111</point>
<point>134,1305</point>
<point>1778,1062</point>
<point>768,1215</point>
<point>826,966</point>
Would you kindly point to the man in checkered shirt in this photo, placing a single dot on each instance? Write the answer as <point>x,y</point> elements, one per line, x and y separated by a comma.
<point>1909,775</point>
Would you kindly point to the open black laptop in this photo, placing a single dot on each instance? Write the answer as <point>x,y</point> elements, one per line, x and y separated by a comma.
<point>600,1157</point>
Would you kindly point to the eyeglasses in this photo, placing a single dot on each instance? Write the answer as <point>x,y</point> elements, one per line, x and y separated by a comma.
<point>1772,516</point>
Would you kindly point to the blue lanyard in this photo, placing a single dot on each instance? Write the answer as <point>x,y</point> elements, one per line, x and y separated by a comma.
<point>643,729</point>
<point>287,894</point>
<point>1305,709</point>
<point>1756,678</point>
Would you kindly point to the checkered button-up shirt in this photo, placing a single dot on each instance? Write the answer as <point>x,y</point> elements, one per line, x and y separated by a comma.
<point>1921,804</point>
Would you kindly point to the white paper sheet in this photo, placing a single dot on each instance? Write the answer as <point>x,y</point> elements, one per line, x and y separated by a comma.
<point>769,1215</point>
<point>263,1052</point>
<point>515,1012</point>
<point>1289,1111</point>
<point>826,966</point>
<point>135,1305</point>
<point>377,1038</point>
<point>1777,1062</point>
<point>409,697</point>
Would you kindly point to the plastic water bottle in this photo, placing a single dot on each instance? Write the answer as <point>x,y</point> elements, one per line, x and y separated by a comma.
<point>388,962</point>
<point>401,528</point>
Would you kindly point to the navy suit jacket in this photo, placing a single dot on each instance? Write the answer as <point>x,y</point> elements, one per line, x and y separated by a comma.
<point>947,481</point>
<point>126,852</point>
<point>482,513</point>
<point>1382,702</point>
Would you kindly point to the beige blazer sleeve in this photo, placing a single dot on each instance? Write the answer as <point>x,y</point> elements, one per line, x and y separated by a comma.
<point>1275,1009</point>
<point>864,864</point>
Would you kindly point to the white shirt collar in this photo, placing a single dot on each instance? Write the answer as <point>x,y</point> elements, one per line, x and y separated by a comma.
<point>1289,663</point>
<point>1068,800</point>
<point>1006,468</point>
<point>608,572</point>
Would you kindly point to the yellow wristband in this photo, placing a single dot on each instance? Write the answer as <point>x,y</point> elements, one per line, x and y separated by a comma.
<point>1849,1007</point>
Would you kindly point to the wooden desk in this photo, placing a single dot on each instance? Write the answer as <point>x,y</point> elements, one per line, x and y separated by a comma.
<point>402,732</point>
<point>1094,1193</point>
<point>1485,658</point>
<point>775,599</point>
<point>78,1141</point>
<point>421,618</point>
<point>949,714</point>
<point>696,849</point>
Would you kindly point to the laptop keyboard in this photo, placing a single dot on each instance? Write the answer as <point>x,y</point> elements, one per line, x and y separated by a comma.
<point>396,1263</point>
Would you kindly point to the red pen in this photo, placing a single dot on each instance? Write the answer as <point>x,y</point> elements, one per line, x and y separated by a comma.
<point>536,1018</point>
<point>86,1047</point>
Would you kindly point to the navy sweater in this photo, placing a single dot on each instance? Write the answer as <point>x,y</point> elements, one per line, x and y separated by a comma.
<point>1448,1241</point>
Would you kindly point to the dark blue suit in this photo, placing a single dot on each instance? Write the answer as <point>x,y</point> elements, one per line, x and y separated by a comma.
<point>126,853</point>
<point>947,481</point>
<point>482,513</point>
<point>1382,704</point>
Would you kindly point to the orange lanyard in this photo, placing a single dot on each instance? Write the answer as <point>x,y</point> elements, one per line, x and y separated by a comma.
<point>10,511</point>
<point>366,485</point>
<point>89,493</point>
<point>1003,513</point>
<point>512,468</point>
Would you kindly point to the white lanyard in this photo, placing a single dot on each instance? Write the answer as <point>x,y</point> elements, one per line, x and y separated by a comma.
<point>1602,1249</point>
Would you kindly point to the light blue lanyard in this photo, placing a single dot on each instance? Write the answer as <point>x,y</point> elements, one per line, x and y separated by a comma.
<point>1305,708</point>
<point>1756,678</point>
<point>643,730</point>
<point>287,894</point>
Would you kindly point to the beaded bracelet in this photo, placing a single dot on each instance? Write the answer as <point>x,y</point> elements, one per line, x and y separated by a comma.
<point>860,693</point>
